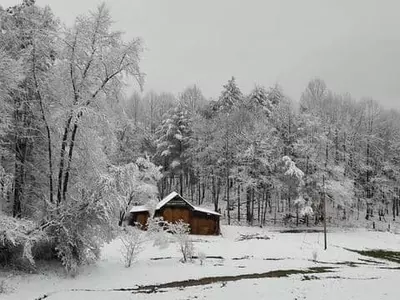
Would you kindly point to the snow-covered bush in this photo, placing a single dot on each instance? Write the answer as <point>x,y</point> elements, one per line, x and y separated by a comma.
<point>132,240</point>
<point>3,287</point>
<point>180,231</point>
<point>135,183</point>
<point>306,211</point>
<point>202,257</point>
<point>17,238</point>
<point>83,225</point>
<point>156,229</point>
<point>314,255</point>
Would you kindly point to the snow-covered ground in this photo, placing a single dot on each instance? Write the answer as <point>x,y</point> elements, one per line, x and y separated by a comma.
<point>371,279</point>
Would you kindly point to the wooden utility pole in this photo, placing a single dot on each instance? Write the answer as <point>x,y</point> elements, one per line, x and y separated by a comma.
<point>325,239</point>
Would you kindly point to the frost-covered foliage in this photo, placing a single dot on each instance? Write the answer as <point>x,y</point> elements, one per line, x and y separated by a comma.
<point>3,287</point>
<point>258,98</point>
<point>231,97</point>
<point>135,183</point>
<point>341,191</point>
<point>314,255</point>
<point>291,169</point>
<point>6,185</point>
<point>303,207</point>
<point>202,257</point>
<point>81,226</point>
<point>132,239</point>
<point>292,178</point>
<point>193,99</point>
<point>157,231</point>
<point>173,138</point>
<point>17,238</point>
<point>181,231</point>
<point>306,210</point>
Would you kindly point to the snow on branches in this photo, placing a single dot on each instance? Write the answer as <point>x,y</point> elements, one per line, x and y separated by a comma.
<point>291,169</point>
<point>17,239</point>
<point>181,231</point>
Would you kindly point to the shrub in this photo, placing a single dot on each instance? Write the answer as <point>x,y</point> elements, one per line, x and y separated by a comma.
<point>17,238</point>
<point>132,240</point>
<point>314,255</point>
<point>180,231</point>
<point>202,257</point>
<point>80,233</point>
<point>3,286</point>
<point>157,230</point>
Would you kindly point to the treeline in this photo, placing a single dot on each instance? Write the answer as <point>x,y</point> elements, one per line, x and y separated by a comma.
<point>232,152</point>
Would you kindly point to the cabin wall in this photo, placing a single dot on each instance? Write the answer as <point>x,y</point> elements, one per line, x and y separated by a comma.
<point>200,223</point>
<point>204,224</point>
<point>139,217</point>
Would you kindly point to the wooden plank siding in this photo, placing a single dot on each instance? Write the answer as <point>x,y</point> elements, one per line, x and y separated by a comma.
<point>172,210</point>
<point>139,218</point>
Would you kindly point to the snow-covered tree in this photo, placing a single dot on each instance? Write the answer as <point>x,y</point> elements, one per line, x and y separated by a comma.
<point>292,178</point>
<point>132,240</point>
<point>193,99</point>
<point>93,63</point>
<point>230,97</point>
<point>181,231</point>
<point>135,183</point>
<point>29,33</point>
<point>258,98</point>
<point>173,141</point>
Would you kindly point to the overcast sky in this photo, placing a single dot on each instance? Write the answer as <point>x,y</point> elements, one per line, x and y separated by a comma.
<point>354,45</point>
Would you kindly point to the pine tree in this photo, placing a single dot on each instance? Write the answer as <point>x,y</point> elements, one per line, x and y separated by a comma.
<point>173,141</point>
<point>231,97</point>
<point>259,98</point>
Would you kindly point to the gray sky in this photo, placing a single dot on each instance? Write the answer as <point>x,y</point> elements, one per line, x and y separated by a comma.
<point>354,45</point>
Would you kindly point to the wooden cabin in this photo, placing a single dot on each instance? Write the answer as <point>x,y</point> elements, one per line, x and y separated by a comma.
<point>174,208</point>
<point>139,215</point>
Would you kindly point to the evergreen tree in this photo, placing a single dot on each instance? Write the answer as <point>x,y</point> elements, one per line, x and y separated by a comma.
<point>231,97</point>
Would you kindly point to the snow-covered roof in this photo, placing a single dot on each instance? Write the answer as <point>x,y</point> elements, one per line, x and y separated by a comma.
<point>195,208</point>
<point>169,198</point>
<point>139,208</point>
<point>205,210</point>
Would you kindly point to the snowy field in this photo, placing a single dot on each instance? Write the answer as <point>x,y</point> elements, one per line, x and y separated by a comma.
<point>285,266</point>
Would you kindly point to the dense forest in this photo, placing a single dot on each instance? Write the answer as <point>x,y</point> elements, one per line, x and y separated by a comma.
<point>76,152</point>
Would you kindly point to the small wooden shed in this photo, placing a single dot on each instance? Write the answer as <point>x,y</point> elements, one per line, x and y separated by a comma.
<point>138,215</point>
<point>202,221</point>
<point>174,208</point>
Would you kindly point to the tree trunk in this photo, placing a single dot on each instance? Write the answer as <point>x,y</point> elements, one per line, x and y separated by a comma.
<point>259,202</point>
<point>228,209</point>
<point>19,175</point>
<point>265,207</point>
<point>62,155</point>
<point>46,125</point>
<point>394,208</point>
<point>181,183</point>
<point>248,205</point>
<point>276,206</point>
<point>203,186</point>
<point>336,146</point>
<point>19,183</point>
<point>238,202</point>
<point>252,206</point>
<point>70,153</point>
<point>199,191</point>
